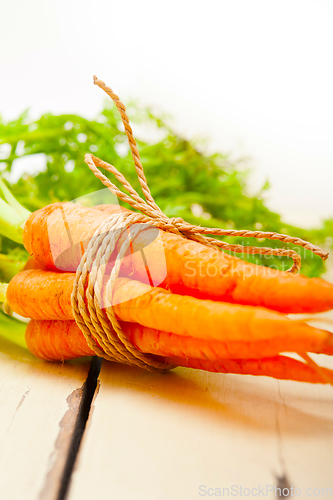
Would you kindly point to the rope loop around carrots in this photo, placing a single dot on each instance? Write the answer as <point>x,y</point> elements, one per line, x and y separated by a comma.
<point>150,209</point>
<point>98,323</point>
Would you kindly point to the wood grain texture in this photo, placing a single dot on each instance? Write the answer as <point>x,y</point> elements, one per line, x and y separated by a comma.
<point>38,407</point>
<point>163,436</point>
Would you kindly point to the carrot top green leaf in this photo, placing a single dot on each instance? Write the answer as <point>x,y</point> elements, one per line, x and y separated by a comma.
<point>12,329</point>
<point>186,180</point>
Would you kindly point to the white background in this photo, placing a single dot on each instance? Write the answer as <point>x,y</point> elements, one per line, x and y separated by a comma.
<point>255,77</point>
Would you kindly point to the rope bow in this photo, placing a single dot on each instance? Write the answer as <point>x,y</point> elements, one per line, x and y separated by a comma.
<point>152,213</point>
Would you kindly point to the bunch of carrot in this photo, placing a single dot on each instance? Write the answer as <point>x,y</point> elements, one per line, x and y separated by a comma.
<point>233,321</point>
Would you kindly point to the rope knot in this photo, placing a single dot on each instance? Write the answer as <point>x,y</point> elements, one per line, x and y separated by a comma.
<point>177,221</point>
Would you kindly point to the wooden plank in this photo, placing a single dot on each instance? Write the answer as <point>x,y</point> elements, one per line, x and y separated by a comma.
<point>165,436</point>
<point>39,404</point>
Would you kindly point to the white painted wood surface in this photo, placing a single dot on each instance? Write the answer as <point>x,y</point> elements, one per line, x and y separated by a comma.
<point>38,407</point>
<point>163,436</point>
<point>160,437</point>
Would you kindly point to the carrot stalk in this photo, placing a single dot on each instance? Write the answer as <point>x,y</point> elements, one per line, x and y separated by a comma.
<point>12,329</point>
<point>205,328</point>
<point>10,266</point>
<point>12,215</point>
<point>12,201</point>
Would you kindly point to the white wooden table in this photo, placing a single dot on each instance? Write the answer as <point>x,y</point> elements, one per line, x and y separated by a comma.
<point>184,435</point>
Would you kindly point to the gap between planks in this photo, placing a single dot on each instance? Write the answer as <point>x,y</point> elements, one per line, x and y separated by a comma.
<point>36,397</point>
<point>72,427</point>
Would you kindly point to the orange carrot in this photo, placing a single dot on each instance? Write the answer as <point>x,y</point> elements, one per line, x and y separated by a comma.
<point>279,367</point>
<point>62,340</point>
<point>32,263</point>
<point>58,234</point>
<point>40,294</point>
<point>56,340</point>
<point>191,341</point>
<point>204,328</point>
<point>49,232</point>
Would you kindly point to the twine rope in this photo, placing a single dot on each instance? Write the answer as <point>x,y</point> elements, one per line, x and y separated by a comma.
<point>150,209</point>
<point>100,325</point>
